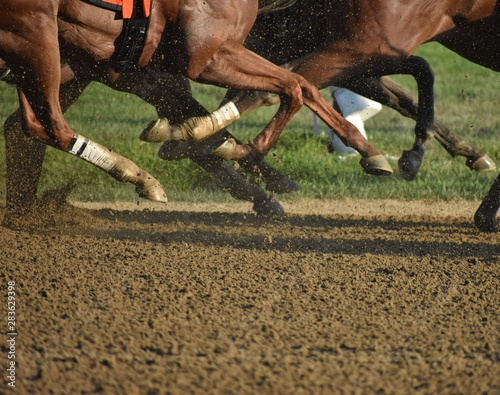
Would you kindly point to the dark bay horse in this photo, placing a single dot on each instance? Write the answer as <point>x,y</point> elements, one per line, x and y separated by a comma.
<point>200,39</point>
<point>344,42</point>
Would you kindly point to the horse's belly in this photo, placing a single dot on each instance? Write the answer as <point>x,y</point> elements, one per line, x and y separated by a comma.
<point>92,29</point>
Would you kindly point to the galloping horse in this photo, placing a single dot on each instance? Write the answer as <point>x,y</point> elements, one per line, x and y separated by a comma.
<point>351,40</point>
<point>201,39</point>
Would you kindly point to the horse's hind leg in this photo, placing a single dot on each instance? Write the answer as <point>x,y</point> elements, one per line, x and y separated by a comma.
<point>151,85</point>
<point>411,160</point>
<point>253,72</point>
<point>451,142</point>
<point>485,216</point>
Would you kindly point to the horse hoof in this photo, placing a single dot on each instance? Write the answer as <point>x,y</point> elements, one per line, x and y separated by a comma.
<point>174,150</point>
<point>269,207</point>
<point>157,131</point>
<point>484,163</point>
<point>485,222</point>
<point>152,191</point>
<point>282,185</point>
<point>410,163</point>
<point>376,165</point>
<point>225,150</point>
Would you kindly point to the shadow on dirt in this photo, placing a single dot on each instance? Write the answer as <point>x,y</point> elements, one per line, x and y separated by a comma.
<point>309,233</point>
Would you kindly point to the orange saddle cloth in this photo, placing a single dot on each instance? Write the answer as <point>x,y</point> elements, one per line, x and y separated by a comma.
<point>125,6</point>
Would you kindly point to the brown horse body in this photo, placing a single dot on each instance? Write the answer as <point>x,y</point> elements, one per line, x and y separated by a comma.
<point>202,40</point>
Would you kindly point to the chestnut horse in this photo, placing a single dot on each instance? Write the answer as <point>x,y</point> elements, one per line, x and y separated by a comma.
<point>201,39</point>
<point>346,41</point>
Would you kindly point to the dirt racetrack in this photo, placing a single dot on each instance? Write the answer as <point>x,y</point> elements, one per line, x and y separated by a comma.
<point>336,298</point>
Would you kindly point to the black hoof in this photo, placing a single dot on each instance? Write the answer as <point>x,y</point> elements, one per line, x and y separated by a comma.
<point>410,163</point>
<point>486,222</point>
<point>269,207</point>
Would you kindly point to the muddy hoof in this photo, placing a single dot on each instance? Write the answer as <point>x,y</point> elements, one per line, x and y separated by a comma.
<point>174,150</point>
<point>376,165</point>
<point>282,185</point>
<point>269,207</point>
<point>410,163</point>
<point>152,191</point>
<point>157,131</point>
<point>484,163</point>
<point>485,221</point>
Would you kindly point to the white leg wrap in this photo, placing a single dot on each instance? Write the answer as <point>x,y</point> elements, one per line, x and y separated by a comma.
<point>225,116</point>
<point>92,152</point>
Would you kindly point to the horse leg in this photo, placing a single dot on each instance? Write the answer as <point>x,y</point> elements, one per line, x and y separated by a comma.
<point>226,177</point>
<point>485,216</point>
<point>238,187</point>
<point>372,161</point>
<point>410,161</point>
<point>38,87</point>
<point>24,156</point>
<point>159,131</point>
<point>120,168</point>
<point>253,72</point>
<point>402,102</point>
<point>151,87</point>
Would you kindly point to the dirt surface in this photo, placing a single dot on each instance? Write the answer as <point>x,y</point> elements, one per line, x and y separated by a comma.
<point>337,297</point>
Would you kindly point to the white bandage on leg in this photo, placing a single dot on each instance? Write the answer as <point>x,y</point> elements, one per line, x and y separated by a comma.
<point>92,152</point>
<point>225,116</point>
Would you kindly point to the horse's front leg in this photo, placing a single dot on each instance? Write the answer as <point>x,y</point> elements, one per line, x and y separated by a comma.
<point>411,160</point>
<point>24,156</point>
<point>236,67</point>
<point>56,133</point>
<point>119,167</point>
<point>174,108</point>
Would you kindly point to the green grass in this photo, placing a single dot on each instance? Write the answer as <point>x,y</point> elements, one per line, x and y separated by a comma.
<point>466,95</point>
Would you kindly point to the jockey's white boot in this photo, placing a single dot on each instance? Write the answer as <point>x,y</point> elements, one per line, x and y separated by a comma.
<point>356,109</point>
